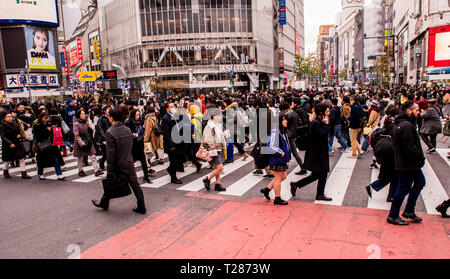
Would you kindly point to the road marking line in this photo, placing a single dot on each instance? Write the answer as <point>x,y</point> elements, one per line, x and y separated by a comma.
<point>197,184</point>
<point>241,186</point>
<point>285,192</point>
<point>378,200</point>
<point>338,181</point>
<point>433,194</point>
<point>443,153</point>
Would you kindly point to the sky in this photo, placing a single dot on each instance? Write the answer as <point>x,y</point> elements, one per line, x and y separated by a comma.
<point>318,12</point>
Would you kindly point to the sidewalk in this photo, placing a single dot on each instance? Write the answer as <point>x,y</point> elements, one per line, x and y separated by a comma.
<point>259,230</point>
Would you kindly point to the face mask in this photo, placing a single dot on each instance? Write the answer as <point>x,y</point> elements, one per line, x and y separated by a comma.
<point>173,110</point>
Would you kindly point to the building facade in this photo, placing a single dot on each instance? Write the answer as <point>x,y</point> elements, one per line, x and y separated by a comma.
<point>200,44</point>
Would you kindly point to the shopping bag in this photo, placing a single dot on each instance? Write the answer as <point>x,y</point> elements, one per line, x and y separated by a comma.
<point>57,137</point>
<point>116,187</point>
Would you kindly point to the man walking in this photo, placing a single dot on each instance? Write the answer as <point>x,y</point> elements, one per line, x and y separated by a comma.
<point>409,160</point>
<point>356,115</point>
<point>119,143</point>
<point>336,126</point>
<point>173,150</point>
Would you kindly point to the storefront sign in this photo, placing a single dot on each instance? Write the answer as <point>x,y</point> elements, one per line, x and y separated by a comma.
<point>439,47</point>
<point>237,68</point>
<point>207,47</point>
<point>90,76</point>
<point>96,51</point>
<point>282,12</point>
<point>34,80</point>
<point>79,50</point>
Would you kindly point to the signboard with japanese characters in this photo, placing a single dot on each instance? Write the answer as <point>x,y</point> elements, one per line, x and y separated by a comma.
<point>33,80</point>
<point>80,49</point>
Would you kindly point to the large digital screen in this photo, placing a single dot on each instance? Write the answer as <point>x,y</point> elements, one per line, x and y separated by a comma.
<point>40,48</point>
<point>439,47</point>
<point>29,11</point>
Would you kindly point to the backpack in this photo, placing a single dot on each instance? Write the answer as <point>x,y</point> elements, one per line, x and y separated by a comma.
<point>376,135</point>
<point>157,130</point>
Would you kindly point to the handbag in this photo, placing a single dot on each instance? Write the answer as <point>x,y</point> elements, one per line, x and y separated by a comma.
<point>203,154</point>
<point>148,148</point>
<point>44,144</point>
<point>57,137</point>
<point>116,187</point>
<point>29,134</point>
<point>446,130</point>
<point>64,126</point>
<point>367,130</point>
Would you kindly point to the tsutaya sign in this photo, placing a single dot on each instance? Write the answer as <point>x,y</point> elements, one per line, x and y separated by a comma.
<point>237,68</point>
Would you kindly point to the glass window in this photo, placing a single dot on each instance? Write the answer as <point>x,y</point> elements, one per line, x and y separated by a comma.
<point>226,20</point>
<point>184,22</point>
<point>202,21</point>
<point>171,22</point>
<point>143,27</point>
<point>249,20</point>
<point>196,24</point>
<point>220,20</point>
<point>214,20</point>
<point>177,22</point>
<point>232,21</point>
<point>148,19</point>
<point>189,21</point>
<point>243,20</point>
<point>208,20</point>
<point>165,19</point>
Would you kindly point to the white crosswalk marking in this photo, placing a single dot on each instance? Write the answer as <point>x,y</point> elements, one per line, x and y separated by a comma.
<point>433,193</point>
<point>157,183</point>
<point>338,181</point>
<point>31,165</point>
<point>52,169</point>
<point>378,200</point>
<point>197,184</point>
<point>286,185</point>
<point>443,153</point>
<point>241,186</point>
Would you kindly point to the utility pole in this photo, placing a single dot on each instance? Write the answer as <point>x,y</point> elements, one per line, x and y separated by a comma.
<point>28,81</point>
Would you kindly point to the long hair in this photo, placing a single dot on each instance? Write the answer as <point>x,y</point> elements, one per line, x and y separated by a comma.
<point>36,30</point>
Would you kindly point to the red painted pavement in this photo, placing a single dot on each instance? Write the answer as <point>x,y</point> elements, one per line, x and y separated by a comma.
<point>258,229</point>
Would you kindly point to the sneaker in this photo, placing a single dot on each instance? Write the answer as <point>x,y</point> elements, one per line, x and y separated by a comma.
<point>374,165</point>
<point>258,172</point>
<point>431,151</point>
<point>61,178</point>
<point>41,177</point>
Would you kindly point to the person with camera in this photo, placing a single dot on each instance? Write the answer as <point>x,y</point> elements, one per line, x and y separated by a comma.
<point>83,144</point>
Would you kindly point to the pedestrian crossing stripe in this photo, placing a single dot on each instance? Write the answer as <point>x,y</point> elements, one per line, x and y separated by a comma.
<point>443,153</point>
<point>337,184</point>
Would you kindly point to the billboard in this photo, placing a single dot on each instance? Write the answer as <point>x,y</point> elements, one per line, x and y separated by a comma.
<point>90,76</point>
<point>29,11</point>
<point>325,29</point>
<point>14,49</point>
<point>283,12</point>
<point>40,48</point>
<point>439,51</point>
<point>34,80</point>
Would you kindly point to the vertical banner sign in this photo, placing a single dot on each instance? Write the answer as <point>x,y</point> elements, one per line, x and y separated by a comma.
<point>79,49</point>
<point>282,12</point>
<point>65,61</point>
<point>96,51</point>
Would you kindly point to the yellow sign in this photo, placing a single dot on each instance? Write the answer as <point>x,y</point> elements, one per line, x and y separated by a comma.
<point>96,51</point>
<point>90,76</point>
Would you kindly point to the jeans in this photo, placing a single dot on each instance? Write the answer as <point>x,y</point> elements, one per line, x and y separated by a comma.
<point>337,132</point>
<point>322,180</point>
<point>409,182</point>
<point>387,175</point>
<point>365,144</point>
<point>57,168</point>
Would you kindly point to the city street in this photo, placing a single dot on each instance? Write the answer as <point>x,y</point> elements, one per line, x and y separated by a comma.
<point>52,219</point>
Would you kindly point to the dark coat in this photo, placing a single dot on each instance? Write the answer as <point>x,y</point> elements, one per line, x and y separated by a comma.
<point>335,116</point>
<point>408,151</point>
<point>356,115</point>
<point>293,120</point>
<point>432,124</point>
<point>138,143</point>
<point>102,126</point>
<point>279,145</point>
<point>316,156</point>
<point>119,144</point>
<point>46,157</point>
<point>81,131</point>
<point>9,133</point>
<point>168,123</point>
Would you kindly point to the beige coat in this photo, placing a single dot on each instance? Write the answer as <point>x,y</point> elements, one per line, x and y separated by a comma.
<point>150,123</point>
<point>210,138</point>
<point>374,119</point>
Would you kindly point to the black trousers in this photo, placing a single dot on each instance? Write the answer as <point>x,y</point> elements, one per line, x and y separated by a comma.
<point>175,163</point>
<point>322,180</point>
<point>140,156</point>
<point>295,152</point>
<point>388,175</point>
<point>429,140</point>
<point>136,188</point>
<point>103,151</point>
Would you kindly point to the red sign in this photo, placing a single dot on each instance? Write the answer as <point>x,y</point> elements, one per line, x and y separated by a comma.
<point>73,57</point>
<point>66,68</point>
<point>80,49</point>
<point>439,47</point>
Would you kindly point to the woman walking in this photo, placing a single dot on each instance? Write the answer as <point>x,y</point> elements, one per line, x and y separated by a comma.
<point>316,157</point>
<point>151,122</point>
<point>135,124</point>
<point>279,143</point>
<point>47,154</point>
<point>83,145</point>
<point>214,141</point>
<point>431,126</point>
<point>12,147</point>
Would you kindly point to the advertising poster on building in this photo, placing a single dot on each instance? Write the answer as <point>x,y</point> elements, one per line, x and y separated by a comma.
<point>40,48</point>
<point>26,11</point>
<point>96,51</point>
<point>439,47</point>
<point>283,12</point>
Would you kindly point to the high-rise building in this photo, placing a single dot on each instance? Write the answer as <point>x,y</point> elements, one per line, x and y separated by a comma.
<point>201,44</point>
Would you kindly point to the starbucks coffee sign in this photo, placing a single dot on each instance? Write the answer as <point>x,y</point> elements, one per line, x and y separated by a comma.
<point>207,47</point>
<point>237,68</point>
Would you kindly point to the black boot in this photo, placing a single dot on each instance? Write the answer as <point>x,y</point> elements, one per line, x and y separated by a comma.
<point>207,183</point>
<point>198,166</point>
<point>6,174</point>
<point>279,201</point>
<point>219,188</point>
<point>442,208</point>
<point>266,192</point>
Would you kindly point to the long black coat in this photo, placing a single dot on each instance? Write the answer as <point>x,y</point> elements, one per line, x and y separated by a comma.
<point>408,151</point>
<point>138,143</point>
<point>9,133</point>
<point>46,157</point>
<point>119,143</point>
<point>316,158</point>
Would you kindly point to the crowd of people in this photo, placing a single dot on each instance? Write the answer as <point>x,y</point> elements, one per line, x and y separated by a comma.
<point>272,126</point>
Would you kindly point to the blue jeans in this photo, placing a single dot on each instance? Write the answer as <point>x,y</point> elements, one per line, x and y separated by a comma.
<point>337,132</point>
<point>409,182</point>
<point>57,168</point>
<point>365,144</point>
